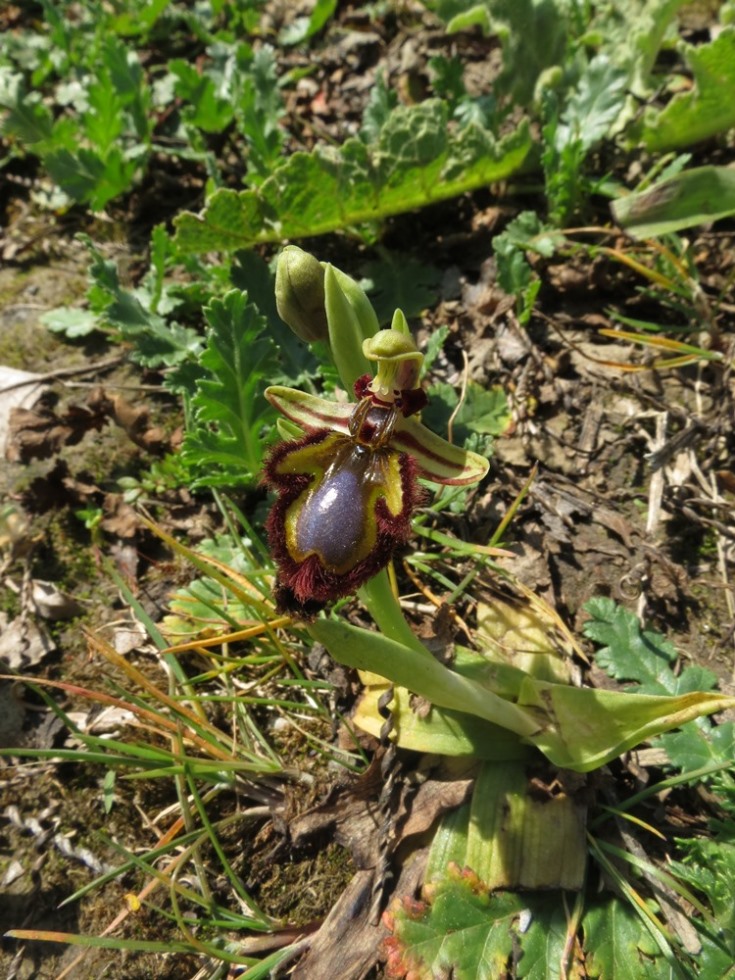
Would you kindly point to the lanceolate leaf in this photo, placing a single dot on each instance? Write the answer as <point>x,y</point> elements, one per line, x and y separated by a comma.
<point>693,197</point>
<point>415,161</point>
<point>587,728</point>
<point>575,728</point>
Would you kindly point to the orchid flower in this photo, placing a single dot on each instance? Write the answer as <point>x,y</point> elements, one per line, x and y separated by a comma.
<point>348,488</point>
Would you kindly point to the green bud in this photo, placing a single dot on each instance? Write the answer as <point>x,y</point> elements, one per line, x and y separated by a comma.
<point>300,294</point>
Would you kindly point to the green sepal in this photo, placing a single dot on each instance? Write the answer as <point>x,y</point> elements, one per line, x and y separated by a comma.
<point>351,319</point>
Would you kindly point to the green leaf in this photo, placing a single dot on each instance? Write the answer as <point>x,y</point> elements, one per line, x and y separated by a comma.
<point>434,346</point>
<point>71,321</point>
<point>692,748</point>
<point>544,942</point>
<point>693,197</point>
<point>533,35</point>
<point>707,109</point>
<point>415,161</point>
<point>419,672</point>
<point>576,728</point>
<point>351,320</point>
<point>628,652</point>
<point>140,19</point>
<point>103,122</point>
<point>156,342</point>
<point>585,728</point>
<point>709,865</point>
<point>399,281</point>
<point>504,836</point>
<point>90,178</point>
<point>463,932</point>
<point>204,605</point>
<point>208,110</point>
<point>226,439</point>
<point>26,116</point>
<point>617,943</point>
<point>593,107</point>
<point>305,27</point>
<point>484,410</point>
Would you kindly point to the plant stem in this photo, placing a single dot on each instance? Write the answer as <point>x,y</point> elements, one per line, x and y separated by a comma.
<point>383,606</point>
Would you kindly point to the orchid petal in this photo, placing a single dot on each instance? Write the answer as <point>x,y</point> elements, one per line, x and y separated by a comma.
<point>310,412</point>
<point>437,459</point>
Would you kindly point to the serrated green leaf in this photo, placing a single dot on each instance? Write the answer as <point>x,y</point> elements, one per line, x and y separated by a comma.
<point>709,865</point>
<point>628,652</point>
<point>593,106</point>
<point>707,109</point>
<point>225,442</point>
<point>207,108</point>
<point>464,933</point>
<point>157,343</point>
<point>484,410</point>
<point>26,116</point>
<point>103,121</point>
<point>692,748</point>
<point>90,178</point>
<point>480,931</point>
<point>70,321</point>
<point>434,346</point>
<point>415,161</point>
<point>617,943</point>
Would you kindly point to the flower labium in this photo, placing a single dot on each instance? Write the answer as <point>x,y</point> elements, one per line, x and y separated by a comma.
<point>347,489</point>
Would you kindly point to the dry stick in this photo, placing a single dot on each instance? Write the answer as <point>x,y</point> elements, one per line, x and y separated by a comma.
<point>389,768</point>
<point>462,396</point>
<point>65,373</point>
<point>655,495</point>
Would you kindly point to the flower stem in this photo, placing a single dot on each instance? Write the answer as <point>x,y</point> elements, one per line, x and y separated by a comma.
<point>383,606</point>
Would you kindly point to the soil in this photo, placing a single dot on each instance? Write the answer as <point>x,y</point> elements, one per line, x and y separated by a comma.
<point>632,498</point>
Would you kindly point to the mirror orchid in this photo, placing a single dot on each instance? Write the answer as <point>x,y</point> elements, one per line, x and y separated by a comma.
<point>346,490</point>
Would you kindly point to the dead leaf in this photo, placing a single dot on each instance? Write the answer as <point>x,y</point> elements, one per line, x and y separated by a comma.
<point>23,643</point>
<point>133,419</point>
<point>51,603</point>
<point>18,389</point>
<point>39,432</point>
<point>120,519</point>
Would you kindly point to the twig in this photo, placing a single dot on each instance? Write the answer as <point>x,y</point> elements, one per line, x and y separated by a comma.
<point>655,495</point>
<point>66,373</point>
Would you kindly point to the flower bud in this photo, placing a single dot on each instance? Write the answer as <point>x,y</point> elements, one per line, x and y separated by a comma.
<point>300,294</point>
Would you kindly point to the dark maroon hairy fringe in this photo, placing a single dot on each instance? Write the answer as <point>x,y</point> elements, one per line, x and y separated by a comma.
<point>304,588</point>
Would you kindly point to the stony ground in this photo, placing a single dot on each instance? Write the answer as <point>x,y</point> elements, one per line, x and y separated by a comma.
<point>632,497</point>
